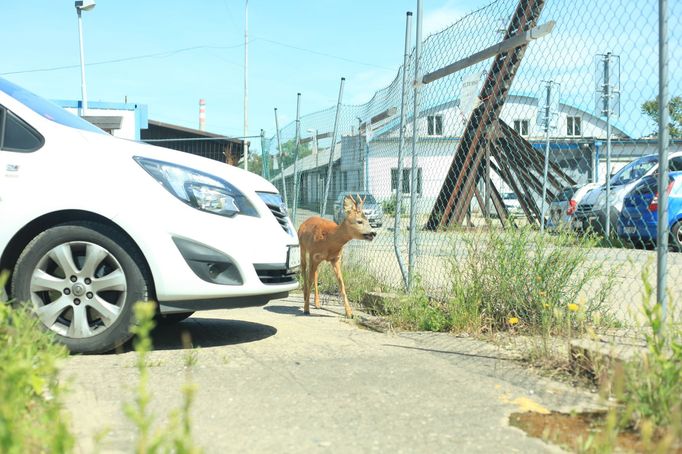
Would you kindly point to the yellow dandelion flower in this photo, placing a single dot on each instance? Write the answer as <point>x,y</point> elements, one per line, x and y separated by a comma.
<point>513,321</point>
<point>545,305</point>
<point>573,307</point>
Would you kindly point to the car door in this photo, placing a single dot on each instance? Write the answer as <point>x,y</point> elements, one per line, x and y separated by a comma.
<point>18,141</point>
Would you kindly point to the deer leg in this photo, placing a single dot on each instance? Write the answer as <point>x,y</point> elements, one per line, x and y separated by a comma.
<point>312,278</point>
<point>306,279</point>
<point>342,288</point>
<point>317,295</point>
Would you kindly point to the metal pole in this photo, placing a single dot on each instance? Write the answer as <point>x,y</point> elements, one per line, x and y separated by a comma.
<point>544,173</point>
<point>316,150</point>
<point>84,92</point>
<point>607,105</point>
<point>487,184</point>
<point>415,134</point>
<point>246,83</point>
<point>331,149</point>
<point>361,153</point>
<point>298,143</point>
<point>265,156</point>
<point>281,164</point>
<point>663,139</point>
<point>401,145</point>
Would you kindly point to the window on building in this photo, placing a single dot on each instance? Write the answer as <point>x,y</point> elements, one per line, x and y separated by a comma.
<point>573,126</point>
<point>406,181</point>
<point>434,125</point>
<point>521,126</point>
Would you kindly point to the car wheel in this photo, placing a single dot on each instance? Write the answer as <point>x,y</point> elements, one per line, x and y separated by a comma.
<point>170,319</point>
<point>82,280</point>
<point>676,232</point>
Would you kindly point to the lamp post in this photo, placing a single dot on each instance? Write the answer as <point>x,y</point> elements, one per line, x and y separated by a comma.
<point>83,5</point>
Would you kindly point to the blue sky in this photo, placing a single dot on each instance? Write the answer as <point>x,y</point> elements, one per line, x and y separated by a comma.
<point>194,49</point>
<point>169,54</point>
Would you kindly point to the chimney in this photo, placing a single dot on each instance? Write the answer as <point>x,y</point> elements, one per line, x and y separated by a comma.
<point>202,114</point>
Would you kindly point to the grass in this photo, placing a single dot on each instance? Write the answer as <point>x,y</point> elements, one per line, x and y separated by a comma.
<point>31,419</point>
<point>515,281</point>
<point>648,389</point>
<point>355,277</point>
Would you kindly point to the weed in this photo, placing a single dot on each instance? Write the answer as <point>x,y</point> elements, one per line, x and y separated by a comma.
<point>30,416</point>
<point>177,436</point>
<point>355,276</point>
<point>532,278</point>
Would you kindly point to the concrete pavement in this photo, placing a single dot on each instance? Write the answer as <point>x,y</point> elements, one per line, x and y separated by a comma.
<point>272,380</point>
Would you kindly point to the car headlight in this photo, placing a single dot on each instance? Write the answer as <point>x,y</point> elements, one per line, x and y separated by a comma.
<point>197,189</point>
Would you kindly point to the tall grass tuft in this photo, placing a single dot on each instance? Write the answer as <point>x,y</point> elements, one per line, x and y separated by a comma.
<point>529,282</point>
<point>31,419</point>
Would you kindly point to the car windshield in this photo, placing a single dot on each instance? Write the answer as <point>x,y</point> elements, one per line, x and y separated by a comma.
<point>634,171</point>
<point>565,194</point>
<point>509,196</point>
<point>46,108</point>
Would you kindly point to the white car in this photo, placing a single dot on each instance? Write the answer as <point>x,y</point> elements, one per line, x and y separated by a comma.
<point>91,224</point>
<point>562,209</point>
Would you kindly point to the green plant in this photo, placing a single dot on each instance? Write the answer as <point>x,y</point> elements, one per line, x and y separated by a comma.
<point>522,280</point>
<point>389,206</point>
<point>177,436</point>
<point>654,384</point>
<point>355,277</point>
<point>30,416</point>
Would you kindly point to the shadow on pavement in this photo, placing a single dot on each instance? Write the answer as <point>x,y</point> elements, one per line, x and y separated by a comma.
<point>205,332</point>
<point>292,310</point>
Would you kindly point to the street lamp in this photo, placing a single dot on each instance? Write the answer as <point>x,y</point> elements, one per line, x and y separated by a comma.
<point>83,5</point>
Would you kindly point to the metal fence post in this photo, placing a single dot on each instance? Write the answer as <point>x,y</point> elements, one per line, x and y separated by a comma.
<point>607,105</point>
<point>296,148</point>
<point>663,139</point>
<point>401,145</point>
<point>415,134</point>
<point>265,156</point>
<point>281,164</point>
<point>331,150</point>
<point>548,99</point>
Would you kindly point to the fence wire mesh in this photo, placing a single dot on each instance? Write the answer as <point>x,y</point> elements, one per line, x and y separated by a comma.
<point>511,159</point>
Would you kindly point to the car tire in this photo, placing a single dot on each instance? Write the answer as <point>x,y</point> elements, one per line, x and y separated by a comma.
<point>676,236</point>
<point>171,319</point>
<point>82,280</point>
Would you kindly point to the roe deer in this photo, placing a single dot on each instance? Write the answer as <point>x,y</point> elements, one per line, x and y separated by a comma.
<point>322,239</point>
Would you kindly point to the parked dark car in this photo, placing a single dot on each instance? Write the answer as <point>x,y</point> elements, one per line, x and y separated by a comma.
<point>638,221</point>
<point>371,208</point>
<point>592,210</point>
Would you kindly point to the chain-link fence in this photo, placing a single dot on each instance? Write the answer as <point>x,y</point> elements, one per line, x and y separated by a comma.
<point>521,138</point>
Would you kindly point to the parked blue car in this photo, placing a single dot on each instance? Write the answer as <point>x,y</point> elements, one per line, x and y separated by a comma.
<point>638,221</point>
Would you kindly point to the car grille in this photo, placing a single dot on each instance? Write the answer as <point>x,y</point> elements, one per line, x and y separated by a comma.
<point>270,275</point>
<point>277,208</point>
<point>583,208</point>
<point>281,217</point>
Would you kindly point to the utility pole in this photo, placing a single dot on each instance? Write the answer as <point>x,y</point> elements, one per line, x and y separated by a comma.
<point>246,84</point>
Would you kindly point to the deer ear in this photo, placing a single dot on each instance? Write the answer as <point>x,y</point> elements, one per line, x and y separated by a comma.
<point>349,204</point>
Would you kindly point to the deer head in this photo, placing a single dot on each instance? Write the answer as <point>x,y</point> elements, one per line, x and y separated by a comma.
<point>356,222</point>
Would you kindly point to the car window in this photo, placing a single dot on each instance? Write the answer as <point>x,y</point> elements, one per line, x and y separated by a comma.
<point>675,164</point>
<point>16,135</point>
<point>46,108</point>
<point>634,171</point>
<point>509,196</point>
<point>565,194</point>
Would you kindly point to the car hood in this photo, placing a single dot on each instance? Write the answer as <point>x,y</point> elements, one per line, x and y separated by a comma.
<point>123,149</point>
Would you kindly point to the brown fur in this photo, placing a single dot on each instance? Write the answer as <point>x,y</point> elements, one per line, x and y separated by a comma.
<point>322,239</point>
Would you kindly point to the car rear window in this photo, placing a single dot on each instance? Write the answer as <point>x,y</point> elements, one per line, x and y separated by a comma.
<point>565,194</point>
<point>45,108</point>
